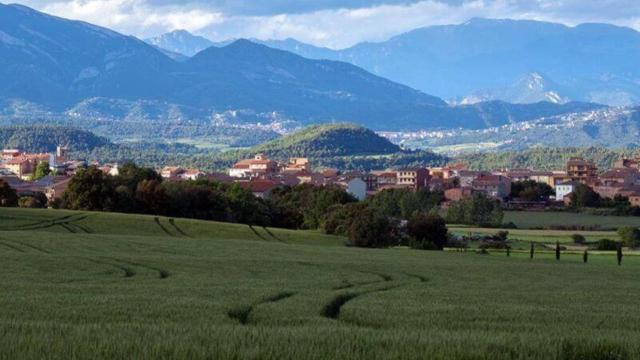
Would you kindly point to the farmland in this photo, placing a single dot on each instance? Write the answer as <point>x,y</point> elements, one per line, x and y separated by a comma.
<point>90,285</point>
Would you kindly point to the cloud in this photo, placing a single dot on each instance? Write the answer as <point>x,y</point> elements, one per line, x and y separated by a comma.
<point>332,23</point>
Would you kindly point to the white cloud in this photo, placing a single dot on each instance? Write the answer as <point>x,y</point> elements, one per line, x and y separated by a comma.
<point>332,27</point>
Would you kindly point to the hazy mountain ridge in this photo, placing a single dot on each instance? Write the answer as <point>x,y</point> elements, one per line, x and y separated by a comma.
<point>592,62</point>
<point>62,70</point>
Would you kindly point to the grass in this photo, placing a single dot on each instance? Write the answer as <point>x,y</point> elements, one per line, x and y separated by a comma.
<point>539,236</point>
<point>126,288</point>
<point>534,219</point>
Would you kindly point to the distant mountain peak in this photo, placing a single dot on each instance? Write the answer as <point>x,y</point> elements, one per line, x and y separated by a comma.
<point>181,42</point>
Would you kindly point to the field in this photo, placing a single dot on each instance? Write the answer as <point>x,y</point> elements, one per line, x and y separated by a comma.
<point>530,219</point>
<point>88,285</point>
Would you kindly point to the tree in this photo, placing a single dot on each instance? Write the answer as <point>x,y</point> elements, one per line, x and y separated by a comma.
<point>531,190</point>
<point>428,232</point>
<point>42,170</point>
<point>90,189</point>
<point>557,250</point>
<point>532,250</point>
<point>8,195</point>
<point>578,239</point>
<point>619,253</point>
<point>478,210</point>
<point>630,236</point>
<point>151,198</point>
<point>585,256</point>
<point>372,230</point>
<point>584,196</point>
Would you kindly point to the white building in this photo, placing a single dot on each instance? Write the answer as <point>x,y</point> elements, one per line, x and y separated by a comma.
<point>565,189</point>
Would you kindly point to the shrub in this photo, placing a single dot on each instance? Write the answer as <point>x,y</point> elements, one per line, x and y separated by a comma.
<point>606,244</point>
<point>428,232</point>
<point>578,239</point>
<point>8,196</point>
<point>372,230</point>
<point>493,244</point>
<point>630,236</point>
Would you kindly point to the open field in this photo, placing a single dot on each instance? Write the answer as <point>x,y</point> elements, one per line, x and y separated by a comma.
<point>87,285</point>
<point>533,219</point>
<point>539,236</point>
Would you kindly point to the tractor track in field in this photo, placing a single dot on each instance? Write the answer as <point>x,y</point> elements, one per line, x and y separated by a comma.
<point>67,222</point>
<point>332,309</point>
<point>242,313</point>
<point>163,273</point>
<point>27,245</point>
<point>12,247</point>
<point>128,272</point>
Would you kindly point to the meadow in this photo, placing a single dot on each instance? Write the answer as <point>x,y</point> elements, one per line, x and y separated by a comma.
<point>103,286</point>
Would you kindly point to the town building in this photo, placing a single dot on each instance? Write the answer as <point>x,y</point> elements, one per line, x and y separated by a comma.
<point>565,188</point>
<point>259,166</point>
<point>415,179</point>
<point>579,169</point>
<point>496,186</point>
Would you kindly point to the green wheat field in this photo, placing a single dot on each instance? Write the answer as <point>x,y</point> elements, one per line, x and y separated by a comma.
<point>80,285</point>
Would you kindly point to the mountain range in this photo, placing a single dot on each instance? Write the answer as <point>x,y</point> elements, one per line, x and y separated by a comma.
<point>590,62</point>
<point>64,69</point>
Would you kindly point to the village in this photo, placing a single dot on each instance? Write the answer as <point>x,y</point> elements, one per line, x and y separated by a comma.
<point>261,175</point>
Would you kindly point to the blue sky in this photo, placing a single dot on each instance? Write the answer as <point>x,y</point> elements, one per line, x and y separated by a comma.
<point>331,23</point>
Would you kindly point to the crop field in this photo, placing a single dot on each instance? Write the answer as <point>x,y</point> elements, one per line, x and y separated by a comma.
<point>538,236</point>
<point>105,286</point>
<point>534,219</point>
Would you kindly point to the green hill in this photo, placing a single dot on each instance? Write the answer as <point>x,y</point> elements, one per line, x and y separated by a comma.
<point>320,141</point>
<point>45,138</point>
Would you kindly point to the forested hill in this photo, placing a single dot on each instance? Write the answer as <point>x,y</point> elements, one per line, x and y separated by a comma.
<point>544,158</point>
<point>45,138</point>
<point>319,141</point>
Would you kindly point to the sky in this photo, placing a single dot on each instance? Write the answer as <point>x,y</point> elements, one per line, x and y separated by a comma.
<point>330,23</point>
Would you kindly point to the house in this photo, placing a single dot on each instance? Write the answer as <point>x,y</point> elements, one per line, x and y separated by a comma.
<point>621,176</point>
<point>496,186</point>
<point>358,188</point>
<point>259,166</point>
<point>565,189</point>
<point>579,169</point>
<point>415,179</point>
<point>634,199</point>
<point>57,188</point>
<point>387,179</point>
<point>297,164</point>
<point>260,187</point>
<point>170,172</point>
<point>627,163</point>
<point>467,176</point>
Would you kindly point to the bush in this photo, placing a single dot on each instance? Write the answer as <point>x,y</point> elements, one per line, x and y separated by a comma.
<point>37,201</point>
<point>8,196</point>
<point>606,244</point>
<point>630,236</point>
<point>428,232</point>
<point>373,230</point>
<point>578,239</point>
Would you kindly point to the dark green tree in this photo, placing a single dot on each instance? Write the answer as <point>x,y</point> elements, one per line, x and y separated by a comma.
<point>619,253</point>
<point>8,195</point>
<point>428,232</point>
<point>42,170</point>
<point>372,230</point>
<point>557,250</point>
<point>585,256</point>
<point>584,196</point>
<point>90,189</point>
<point>630,236</point>
<point>531,251</point>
